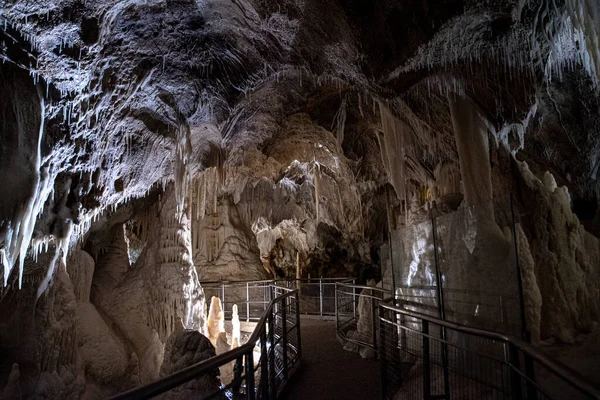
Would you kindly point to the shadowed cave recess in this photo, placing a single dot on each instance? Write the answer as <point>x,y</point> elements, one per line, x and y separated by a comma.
<point>149,145</point>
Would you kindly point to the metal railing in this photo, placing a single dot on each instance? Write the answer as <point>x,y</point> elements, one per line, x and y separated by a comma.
<point>317,295</point>
<point>277,340</point>
<point>423,357</point>
<point>477,309</point>
<point>251,297</point>
<point>357,311</point>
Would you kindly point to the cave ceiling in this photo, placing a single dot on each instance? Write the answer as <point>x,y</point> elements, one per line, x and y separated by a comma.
<point>134,94</point>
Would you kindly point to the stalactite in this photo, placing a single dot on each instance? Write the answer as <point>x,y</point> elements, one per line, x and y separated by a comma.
<point>392,148</point>
<point>471,134</point>
<point>339,123</point>
<point>216,185</point>
<point>317,185</point>
<point>62,249</point>
<point>341,202</point>
<point>20,229</point>
<point>298,266</point>
<point>183,151</point>
<point>585,15</point>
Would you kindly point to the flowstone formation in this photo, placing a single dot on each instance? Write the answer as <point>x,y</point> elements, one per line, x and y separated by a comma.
<point>147,146</point>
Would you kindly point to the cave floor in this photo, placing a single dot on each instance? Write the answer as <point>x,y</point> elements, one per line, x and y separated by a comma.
<point>330,372</point>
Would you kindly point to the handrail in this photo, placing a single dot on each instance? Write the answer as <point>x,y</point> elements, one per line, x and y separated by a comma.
<point>571,376</point>
<point>354,286</point>
<point>194,371</point>
<point>452,290</point>
<point>235,282</point>
<point>277,280</point>
<point>315,294</point>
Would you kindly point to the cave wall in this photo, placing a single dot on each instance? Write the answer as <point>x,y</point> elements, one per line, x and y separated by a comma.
<point>147,146</point>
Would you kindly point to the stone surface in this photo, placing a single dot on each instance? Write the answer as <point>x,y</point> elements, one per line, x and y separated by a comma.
<point>183,349</point>
<point>146,146</point>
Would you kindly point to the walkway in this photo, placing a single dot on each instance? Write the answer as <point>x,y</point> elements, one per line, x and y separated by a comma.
<point>329,372</point>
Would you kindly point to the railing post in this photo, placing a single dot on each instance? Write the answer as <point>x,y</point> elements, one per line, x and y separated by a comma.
<point>383,356</point>
<point>223,294</point>
<point>532,393</point>
<point>354,301</point>
<point>237,374</point>
<point>374,323</point>
<point>503,316</point>
<point>265,297</point>
<point>247,302</point>
<point>321,297</point>
<point>250,395</point>
<point>284,337</point>
<point>299,344</point>
<point>441,307</point>
<point>271,334</point>
<point>403,338</point>
<point>426,360</point>
<point>335,296</point>
<point>515,378</point>
<point>264,365</point>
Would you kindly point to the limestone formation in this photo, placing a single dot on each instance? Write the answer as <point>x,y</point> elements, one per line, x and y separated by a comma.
<point>183,349</point>
<point>147,146</point>
<point>235,327</point>
<point>12,390</point>
<point>216,319</point>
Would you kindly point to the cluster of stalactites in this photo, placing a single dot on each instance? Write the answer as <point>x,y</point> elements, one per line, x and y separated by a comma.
<point>585,15</point>
<point>18,231</point>
<point>205,190</point>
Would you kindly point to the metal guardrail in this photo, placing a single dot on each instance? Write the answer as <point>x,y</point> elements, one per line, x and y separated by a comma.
<point>317,295</point>
<point>351,325</point>
<point>477,309</point>
<point>251,297</point>
<point>277,335</point>
<point>423,357</point>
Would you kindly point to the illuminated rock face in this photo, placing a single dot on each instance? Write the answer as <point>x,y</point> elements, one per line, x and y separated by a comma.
<point>216,319</point>
<point>183,349</point>
<point>157,295</point>
<point>146,146</point>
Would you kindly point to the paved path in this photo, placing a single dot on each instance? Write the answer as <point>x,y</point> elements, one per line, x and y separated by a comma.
<point>328,371</point>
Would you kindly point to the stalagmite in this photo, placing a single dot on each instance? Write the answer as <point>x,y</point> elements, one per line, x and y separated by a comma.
<point>235,327</point>
<point>12,390</point>
<point>216,319</point>
<point>183,140</point>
